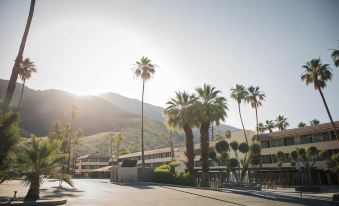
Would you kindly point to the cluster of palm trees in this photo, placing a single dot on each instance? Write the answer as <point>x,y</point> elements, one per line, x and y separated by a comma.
<point>280,123</point>
<point>186,111</point>
<point>254,96</point>
<point>311,123</point>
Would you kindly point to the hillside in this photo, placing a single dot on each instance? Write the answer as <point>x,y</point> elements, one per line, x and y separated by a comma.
<point>151,111</point>
<point>134,106</point>
<point>40,108</point>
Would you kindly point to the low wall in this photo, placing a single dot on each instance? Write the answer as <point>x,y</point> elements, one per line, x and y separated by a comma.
<point>127,174</point>
<point>144,174</point>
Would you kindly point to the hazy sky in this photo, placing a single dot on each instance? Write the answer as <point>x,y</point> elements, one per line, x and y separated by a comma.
<point>89,47</point>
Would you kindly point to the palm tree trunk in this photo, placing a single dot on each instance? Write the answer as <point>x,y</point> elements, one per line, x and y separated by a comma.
<point>142,126</point>
<point>22,92</point>
<point>256,115</point>
<point>171,145</point>
<point>33,192</point>
<point>328,113</point>
<point>204,146</point>
<point>70,145</point>
<point>15,70</point>
<point>189,149</point>
<point>242,123</point>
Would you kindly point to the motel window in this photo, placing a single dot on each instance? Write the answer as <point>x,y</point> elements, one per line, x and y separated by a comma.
<point>265,144</point>
<point>306,139</point>
<point>321,137</point>
<point>277,142</point>
<point>289,141</point>
<point>266,159</point>
<point>333,135</point>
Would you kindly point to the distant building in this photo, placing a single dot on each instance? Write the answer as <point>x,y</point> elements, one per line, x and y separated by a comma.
<point>320,136</point>
<point>88,163</point>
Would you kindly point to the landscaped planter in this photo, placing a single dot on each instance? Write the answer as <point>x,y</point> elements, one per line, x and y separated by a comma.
<point>308,188</point>
<point>38,202</point>
<point>242,187</point>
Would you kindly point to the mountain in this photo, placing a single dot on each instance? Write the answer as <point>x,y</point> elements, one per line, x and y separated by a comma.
<point>152,111</point>
<point>134,106</point>
<point>40,108</point>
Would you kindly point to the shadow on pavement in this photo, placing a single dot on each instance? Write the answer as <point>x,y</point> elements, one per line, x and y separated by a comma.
<point>138,186</point>
<point>191,193</point>
<point>63,192</point>
<point>283,198</point>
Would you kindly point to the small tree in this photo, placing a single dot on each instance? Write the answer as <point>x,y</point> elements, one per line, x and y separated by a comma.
<point>38,160</point>
<point>280,160</point>
<point>238,166</point>
<point>9,135</point>
<point>307,157</point>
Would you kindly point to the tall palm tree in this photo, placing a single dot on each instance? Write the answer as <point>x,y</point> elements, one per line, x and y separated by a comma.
<point>314,122</point>
<point>76,142</point>
<point>269,125</point>
<point>27,67</point>
<point>261,128</point>
<point>37,161</point>
<point>73,113</point>
<point>18,60</point>
<point>281,122</point>
<point>211,107</point>
<point>255,98</point>
<point>335,57</point>
<point>180,114</point>
<point>239,93</point>
<point>318,74</point>
<point>143,69</point>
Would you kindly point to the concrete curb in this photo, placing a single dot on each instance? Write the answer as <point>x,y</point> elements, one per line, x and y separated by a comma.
<point>38,202</point>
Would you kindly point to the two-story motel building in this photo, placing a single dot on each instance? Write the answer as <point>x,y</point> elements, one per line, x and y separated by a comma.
<point>321,136</point>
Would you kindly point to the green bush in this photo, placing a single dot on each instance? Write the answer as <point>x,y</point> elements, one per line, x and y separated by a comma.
<point>184,179</point>
<point>163,174</point>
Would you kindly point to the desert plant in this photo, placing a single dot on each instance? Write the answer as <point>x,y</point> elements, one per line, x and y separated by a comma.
<point>38,160</point>
<point>255,97</point>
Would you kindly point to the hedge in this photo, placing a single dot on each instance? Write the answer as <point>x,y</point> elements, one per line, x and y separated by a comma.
<point>165,174</point>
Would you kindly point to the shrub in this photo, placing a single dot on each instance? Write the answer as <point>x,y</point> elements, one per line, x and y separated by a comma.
<point>163,174</point>
<point>184,179</point>
<point>335,197</point>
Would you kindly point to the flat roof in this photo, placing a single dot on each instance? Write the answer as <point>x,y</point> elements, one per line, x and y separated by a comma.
<point>94,156</point>
<point>325,127</point>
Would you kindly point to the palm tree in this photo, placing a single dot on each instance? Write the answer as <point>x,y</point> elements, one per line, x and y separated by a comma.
<point>314,122</point>
<point>18,60</point>
<point>37,161</point>
<point>239,93</point>
<point>118,141</point>
<point>318,74</point>
<point>302,124</point>
<point>180,114</point>
<point>211,107</point>
<point>255,98</point>
<point>261,128</point>
<point>27,67</point>
<point>335,57</point>
<point>73,113</point>
<point>269,125</point>
<point>76,142</point>
<point>281,122</point>
<point>143,69</point>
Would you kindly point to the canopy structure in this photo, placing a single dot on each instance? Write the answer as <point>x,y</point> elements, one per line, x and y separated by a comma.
<point>103,169</point>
